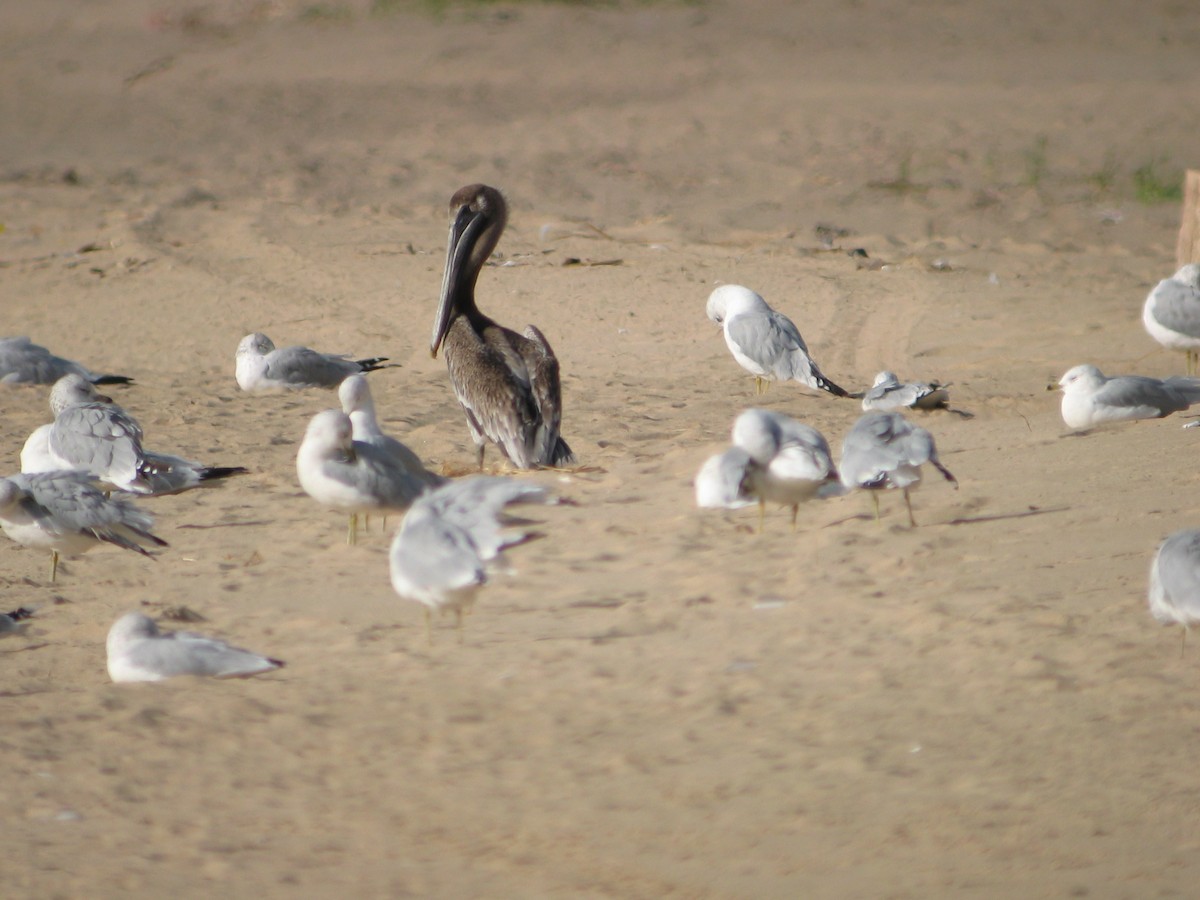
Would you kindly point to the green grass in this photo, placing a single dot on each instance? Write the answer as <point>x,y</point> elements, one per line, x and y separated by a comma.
<point>1152,185</point>
<point>1035,161</point>
<point>1104,179</point>
<point>326,13</point>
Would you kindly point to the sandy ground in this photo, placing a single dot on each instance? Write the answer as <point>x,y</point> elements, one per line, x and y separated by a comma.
<point>657,702</point>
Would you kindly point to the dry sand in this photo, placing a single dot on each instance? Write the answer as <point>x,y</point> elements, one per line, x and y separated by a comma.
<point>658,702</point>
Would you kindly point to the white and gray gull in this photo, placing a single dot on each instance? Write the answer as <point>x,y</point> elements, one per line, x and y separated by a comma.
<point>883,451</point>
<point>789,462</point>
<point>351,476</point>
<point>764,342</point>
<point>139,651</point>
<point>1171,314</point>
<point>1091,399</point>
<point>261,367</point>
<point>92,433</point>
<point>441,553</point>
<point>507,383</point>
<point>24,362</point>
<point>66,514</point>
<point>355,396</point>
<point>1175,581</point>
<point>889,393</point>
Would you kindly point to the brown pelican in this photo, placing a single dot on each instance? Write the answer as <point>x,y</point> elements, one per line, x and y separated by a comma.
<point>507,383</point>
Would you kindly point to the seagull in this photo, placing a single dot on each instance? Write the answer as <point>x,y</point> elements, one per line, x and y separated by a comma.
<point>139,651</point>
<point>440,554</point>
<point>65,513</point>
<point>260,367</point>
<point>24,362</point>
<point>889,393</point>
<point>355,396</point>
<point>721,481</point>
<point>884,450</point>
<point>92,433</point>
<point>1175,581</point>
<point>342,473</point>
<point>1091,399</point>
<point>765,343</point>
<point>12,622</point>
<point>506,383</point>
<point>1172,313</point>
<point>789,462</point>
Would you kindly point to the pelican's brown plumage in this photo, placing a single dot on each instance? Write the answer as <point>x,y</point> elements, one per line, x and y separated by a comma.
<point>507,383</point>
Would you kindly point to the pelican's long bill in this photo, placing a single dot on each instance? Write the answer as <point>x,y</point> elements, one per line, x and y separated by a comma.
<point>460,244</point>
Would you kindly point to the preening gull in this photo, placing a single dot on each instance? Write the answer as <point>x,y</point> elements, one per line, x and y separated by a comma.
<point>764,342</point>
<point>261,367</point>
<point>1091,399</point>
<point>1172,313</point>
<point>441,552</point>
<point>1175,581</point>
<point>65,513</point>
<point>721,481</point>
<point>24,362</point>
<point>889,393</point>
<point>789,462</point>
<point>884,451</point>
<point>348,475</point>
<point>139,651</point>
<point>355,396</point>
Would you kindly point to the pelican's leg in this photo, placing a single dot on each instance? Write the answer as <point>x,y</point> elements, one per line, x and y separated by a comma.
<point>1183,640</point>
<point>908,503</point>
<point>1191,362</point>
<point>762,514</point>
<point>53,565</point>
<point>795,510</point>
<point>875,500</point>
<point>482,447</point>
<point>352,529</point>
<point>366,521</point>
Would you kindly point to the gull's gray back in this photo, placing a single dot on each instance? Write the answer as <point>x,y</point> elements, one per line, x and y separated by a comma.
<point>302,366</point>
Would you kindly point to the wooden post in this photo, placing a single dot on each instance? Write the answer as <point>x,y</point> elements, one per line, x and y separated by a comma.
<point>1187,250</point>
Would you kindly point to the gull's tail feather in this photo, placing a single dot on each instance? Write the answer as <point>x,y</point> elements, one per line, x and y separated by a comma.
<point>210,473</point>
<point>375,362</point>
<point>946,473</point>
<point>112,379</point>
<point>825,384</point>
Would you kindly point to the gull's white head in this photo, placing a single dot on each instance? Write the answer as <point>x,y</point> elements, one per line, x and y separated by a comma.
<point>328,431</point>
<point>1081,378</point>
<point>71,390</point>
<point>257,344</point>
<point>757,432</point>
<point>888,378</point>
<point>731,300</point>
<point>129,628</point>
<point>355,394</point>
<point>1189,275</point>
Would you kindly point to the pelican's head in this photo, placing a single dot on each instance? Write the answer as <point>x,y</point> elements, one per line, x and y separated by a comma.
<point>478,214</point>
